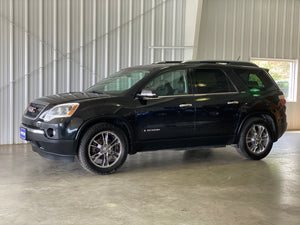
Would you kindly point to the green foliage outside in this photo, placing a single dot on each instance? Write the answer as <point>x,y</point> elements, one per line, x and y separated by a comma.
<point>279,70</point>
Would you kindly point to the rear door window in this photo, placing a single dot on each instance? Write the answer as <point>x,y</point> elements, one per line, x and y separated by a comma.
<point>210,81</point>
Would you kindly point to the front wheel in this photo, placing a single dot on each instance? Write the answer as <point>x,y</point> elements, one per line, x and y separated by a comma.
<point>103,149</point>
<point>255,139</point>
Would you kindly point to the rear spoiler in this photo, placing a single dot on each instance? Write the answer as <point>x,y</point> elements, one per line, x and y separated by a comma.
<point>265,69</point>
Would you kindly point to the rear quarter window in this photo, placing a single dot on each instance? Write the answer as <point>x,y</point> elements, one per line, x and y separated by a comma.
<point>256,80</point>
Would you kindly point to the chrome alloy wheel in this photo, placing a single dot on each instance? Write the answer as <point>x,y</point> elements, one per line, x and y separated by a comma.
<point>105,149</point>
<point>257,139</point>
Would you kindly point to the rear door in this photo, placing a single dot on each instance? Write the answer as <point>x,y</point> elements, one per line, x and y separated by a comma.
<point>217,104</point>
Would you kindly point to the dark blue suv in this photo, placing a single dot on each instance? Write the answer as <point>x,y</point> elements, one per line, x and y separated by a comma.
<point>159,106</point>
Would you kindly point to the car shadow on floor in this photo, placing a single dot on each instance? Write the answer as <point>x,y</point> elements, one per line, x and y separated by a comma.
<point>166,159</point>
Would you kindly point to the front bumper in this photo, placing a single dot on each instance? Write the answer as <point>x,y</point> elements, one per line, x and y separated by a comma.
<point>58,149</point>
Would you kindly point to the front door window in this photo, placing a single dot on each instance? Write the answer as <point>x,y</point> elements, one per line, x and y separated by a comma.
<point>170,83</point>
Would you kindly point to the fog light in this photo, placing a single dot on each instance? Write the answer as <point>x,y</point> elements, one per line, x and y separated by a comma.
<point>50,132</point>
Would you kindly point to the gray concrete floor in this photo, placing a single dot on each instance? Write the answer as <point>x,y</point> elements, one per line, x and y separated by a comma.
<point>205,186</point>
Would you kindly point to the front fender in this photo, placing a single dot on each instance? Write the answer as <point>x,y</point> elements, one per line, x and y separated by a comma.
<point>117,121</point>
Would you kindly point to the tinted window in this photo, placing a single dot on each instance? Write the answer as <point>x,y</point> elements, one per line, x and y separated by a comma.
<point>210,81</point>
<point>256,80</point>
<point>170,83</point>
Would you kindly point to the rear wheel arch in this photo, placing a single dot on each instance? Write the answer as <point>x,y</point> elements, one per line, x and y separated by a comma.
<point>255,140</point>
<point>269,119</point>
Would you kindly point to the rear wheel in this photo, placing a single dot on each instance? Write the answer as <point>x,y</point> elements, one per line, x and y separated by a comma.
<point>103,149</point>
<point>255,139</point>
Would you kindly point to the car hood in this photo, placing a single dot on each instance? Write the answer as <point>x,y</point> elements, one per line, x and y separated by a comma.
<point>68,97</point>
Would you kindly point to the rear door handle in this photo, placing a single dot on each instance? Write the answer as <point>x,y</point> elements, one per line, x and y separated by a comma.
<point>185,105</point>
<point>232,102</point>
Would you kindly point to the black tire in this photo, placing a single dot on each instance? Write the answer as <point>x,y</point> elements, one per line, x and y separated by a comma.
<point>255,141</point>
<point>103,149</point>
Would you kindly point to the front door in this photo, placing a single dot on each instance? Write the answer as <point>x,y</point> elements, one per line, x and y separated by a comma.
<point>170,115</point>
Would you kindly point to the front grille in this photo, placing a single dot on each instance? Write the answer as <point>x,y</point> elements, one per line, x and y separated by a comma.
<point>34,110</point>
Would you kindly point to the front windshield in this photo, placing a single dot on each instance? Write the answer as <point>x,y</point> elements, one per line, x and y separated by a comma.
<point>118,82</point>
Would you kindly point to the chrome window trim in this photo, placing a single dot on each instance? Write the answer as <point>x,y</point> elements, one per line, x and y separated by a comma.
<point>192,95</point>
<point>218,93</point>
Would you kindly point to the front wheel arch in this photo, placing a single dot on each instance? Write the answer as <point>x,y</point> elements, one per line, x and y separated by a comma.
<point>121,124</point>
<point>103,148</point>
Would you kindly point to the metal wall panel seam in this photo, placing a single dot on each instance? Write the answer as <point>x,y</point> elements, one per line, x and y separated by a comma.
<point>276,29</point>
<point>81,45</point>
<point>251,29</point>
<point>11,72</point>
<point>283,31</point>
<point>163,30</point>
<point>174,30</point>
<point>243,29</point>
<point>119,36</point>
<point>268,28</point>
<point>54,47</point>
<point>142,33</point>
<point>259,28</point>
<point>41,48</point>
<point>130,34</point>
<point>152,30</point>
<point>68,45</point>
<point>292,29</point>
<point>215,35</point>
<point>26,45</point>
<point>234,29</point>
<point>94,58</point>
<point>106,40</point>
<point>225,32</point>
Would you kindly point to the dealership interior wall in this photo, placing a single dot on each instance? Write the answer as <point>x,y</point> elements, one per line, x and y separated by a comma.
<point>52,46</point>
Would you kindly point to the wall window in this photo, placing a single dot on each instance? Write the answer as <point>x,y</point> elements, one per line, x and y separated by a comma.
<point>284,72</point>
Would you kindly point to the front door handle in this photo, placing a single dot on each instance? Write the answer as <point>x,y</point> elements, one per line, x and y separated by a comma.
<point>232,102</point>
<point>185,105</point>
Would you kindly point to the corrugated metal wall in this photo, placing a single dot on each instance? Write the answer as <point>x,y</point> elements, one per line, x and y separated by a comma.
<point>232,29</point>
<point>52,46</point>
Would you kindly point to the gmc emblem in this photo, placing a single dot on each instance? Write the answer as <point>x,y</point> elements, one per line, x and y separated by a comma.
<point>31,109</point>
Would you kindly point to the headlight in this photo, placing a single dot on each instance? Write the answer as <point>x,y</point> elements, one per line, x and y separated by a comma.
<point>62,110</point>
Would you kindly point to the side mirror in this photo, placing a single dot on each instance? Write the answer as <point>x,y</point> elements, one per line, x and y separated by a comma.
<point>148,93</point>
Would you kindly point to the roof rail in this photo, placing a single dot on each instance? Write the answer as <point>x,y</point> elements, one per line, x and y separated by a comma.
<point>237,63</point>
<point>166,62</point>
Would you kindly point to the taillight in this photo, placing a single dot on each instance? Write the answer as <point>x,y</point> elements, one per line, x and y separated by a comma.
<point>282,99</point>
